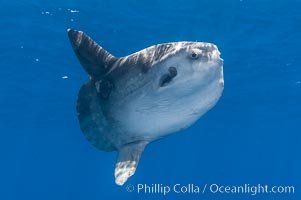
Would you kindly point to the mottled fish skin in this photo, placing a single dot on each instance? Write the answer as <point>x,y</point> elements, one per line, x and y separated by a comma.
<point>133,100</point>
<point>149,57</point>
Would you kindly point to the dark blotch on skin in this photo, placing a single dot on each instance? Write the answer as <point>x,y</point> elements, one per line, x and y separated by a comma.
<point>166,78</point>
<point>104,88</point>
<point>172,71</point>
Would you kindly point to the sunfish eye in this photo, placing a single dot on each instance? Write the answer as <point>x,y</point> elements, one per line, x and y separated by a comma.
<point>194,55</point>
<point>166,78</point>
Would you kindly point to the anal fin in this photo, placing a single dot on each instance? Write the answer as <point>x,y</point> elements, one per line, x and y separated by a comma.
<point>128,159</point>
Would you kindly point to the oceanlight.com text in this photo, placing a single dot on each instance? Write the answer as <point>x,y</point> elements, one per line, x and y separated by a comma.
<point>251,189</point>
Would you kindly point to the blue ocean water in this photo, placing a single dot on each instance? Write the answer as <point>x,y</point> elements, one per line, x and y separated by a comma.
<point>252,136</point>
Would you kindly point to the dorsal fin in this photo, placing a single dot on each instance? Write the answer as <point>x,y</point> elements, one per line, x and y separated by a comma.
<point>95,60</point>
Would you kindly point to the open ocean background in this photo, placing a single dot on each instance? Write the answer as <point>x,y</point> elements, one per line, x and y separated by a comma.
<point>252,136</point>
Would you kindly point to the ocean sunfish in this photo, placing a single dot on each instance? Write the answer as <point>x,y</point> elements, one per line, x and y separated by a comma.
<point>133,100</point>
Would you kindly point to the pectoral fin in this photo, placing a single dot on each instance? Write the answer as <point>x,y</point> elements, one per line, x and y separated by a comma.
<point>127,162</point>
